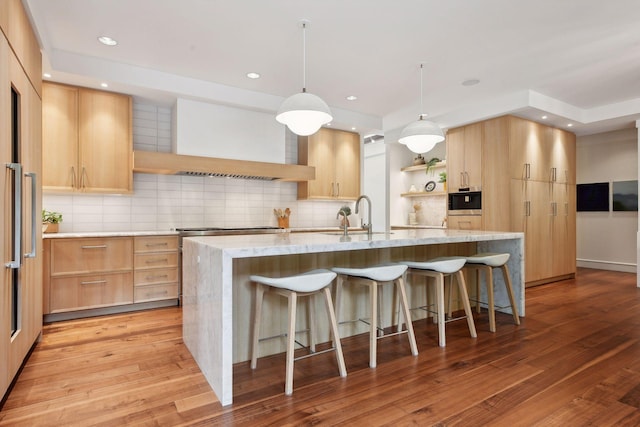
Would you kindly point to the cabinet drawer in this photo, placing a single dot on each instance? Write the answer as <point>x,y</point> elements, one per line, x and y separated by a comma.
<point>155,292</point>
<point>155,243</point>
<point>464,222</point>
<point>156,260</point>
<point>78,256</point>
<point>158,275</point>
<point>91,291</point>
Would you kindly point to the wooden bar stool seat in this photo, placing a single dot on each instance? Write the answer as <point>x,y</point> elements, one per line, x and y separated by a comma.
<point>486,262</point>
<point>292,287</point>
<point>372,277</point>
<point>438,269</point>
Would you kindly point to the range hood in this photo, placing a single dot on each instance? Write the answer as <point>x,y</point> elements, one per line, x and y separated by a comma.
<point>180,164</point>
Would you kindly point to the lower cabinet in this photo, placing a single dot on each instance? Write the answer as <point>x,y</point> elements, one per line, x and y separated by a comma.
<point>99,272</point>
<point>464,222</point>
<point>156,268</point>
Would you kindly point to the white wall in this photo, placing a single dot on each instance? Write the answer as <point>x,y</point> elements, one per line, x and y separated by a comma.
<point>607,240</point>
<point>433,209</point>
<point>375,182</point>
<point>163,202</point>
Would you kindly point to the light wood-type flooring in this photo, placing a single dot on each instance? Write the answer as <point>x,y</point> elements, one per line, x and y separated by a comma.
<point>574,361</point>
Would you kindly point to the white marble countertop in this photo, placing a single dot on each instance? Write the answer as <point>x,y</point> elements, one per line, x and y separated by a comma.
<point>107,234</point>
<point>256,245</point>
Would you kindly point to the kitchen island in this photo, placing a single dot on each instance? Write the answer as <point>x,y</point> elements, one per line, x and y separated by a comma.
<point>217,293</point>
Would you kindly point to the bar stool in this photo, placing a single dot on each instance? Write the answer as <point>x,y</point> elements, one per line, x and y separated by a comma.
<point>292,287</point>
<point>487,262</point>
<point>374,277</point>
<point>439,268</point>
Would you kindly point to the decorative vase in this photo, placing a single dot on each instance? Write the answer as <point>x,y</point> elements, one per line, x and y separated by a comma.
<point>50,227</point>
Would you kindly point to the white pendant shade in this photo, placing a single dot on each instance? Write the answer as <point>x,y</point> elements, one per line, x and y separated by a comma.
<point>421,136</point>
<point>304,113</point>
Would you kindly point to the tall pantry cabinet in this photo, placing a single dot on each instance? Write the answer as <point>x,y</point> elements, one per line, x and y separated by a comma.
<point>20,204</point>
<point>528,185</point>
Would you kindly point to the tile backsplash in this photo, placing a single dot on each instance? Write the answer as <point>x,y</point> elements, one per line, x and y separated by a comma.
<point>164,202</point>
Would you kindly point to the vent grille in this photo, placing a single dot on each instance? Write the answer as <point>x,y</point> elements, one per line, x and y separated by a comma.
<point>225,175</point>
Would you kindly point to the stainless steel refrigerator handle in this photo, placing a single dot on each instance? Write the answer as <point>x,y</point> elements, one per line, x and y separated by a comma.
<point>17,220</point>
<point>34,217</point>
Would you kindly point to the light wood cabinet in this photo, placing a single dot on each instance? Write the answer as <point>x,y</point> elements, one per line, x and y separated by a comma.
<point>336,156</point>
<point>87,135</point>
<point>88,273</point>
<point>155,268</point>
<point>464,157</point>
<point>464,222</point>
<point>528,185</point>
<point>20,143</point>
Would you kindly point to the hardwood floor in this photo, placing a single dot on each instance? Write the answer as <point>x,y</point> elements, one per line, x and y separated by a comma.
<point>574,361</point>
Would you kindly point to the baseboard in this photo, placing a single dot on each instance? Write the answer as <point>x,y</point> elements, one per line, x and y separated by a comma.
<point>607,265</point>
<point>70,315</point>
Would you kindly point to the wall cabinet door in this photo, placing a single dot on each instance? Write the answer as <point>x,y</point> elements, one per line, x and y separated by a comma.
<point>87,140</point>
<point>564,230</point>
<point>60,130</point>
<point>563,156</point>
<point>336,156</point>
<point>530,146</point>
<point>464,157</point>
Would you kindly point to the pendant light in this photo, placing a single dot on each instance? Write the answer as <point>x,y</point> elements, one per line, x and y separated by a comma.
<point>422,135</point>
<point>304,113</point>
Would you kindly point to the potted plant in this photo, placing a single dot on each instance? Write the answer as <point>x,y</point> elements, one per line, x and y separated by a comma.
<point>431,163</point>
<point>50,221</point>
<point>344,211</point>
<point>443,180</point>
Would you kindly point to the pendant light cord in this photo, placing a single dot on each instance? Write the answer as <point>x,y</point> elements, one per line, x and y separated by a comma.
<point>304,57</point>
<point>421,92</point>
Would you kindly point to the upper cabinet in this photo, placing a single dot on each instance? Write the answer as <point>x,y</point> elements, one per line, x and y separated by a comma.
<point>87,140</point>
<point>336,156</point>
<point>464,157</point>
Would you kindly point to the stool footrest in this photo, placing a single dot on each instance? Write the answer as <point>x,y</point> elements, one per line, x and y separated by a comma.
<point>315,353</point>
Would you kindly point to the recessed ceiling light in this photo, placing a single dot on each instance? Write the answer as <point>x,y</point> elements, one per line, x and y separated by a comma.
<point>544,117</point>
<point>106,40</point>
<point>351,98</point>
<point>570,124</point>
<point>470,82</point>
<point>104,85</point>
<point>253,75</point>
<point>353,128</point>
<point>46,75</point>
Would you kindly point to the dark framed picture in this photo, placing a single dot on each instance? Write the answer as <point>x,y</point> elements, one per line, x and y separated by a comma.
<point>625,195</point>
<point>593,197</point>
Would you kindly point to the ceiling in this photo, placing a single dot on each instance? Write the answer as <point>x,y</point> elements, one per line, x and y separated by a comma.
<point>576,61</point>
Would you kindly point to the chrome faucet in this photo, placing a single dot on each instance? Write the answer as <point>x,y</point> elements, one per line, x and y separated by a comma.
<point>367,226</point>
<point>345,223</point>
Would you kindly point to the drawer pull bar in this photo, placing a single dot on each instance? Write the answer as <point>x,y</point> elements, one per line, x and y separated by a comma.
<point>159,276</point>
<point>95,247</point>
<point>151,294</point>
<point>156,244</point>
<point>153,261</point>
<point>94,282</point>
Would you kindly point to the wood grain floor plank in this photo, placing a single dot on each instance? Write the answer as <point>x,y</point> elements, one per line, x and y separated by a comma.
<point>573,361</point>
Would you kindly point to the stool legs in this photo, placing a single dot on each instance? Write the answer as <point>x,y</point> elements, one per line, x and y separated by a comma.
<point>462,285</point>
<point>292,304</point>
<point>373,308</point>
<point>488,274</point>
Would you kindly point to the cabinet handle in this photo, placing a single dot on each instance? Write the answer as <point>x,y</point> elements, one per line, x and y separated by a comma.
<point>554,175</point>
<point>461,179</point>
<point>566,209</point>
<point>73,177</point>
<point>157,276</point>
<point>468,179</point>
<point>82,177</point>
<point>153,261</point>
<point>527,171</point>
<point>527,208</point>
<point>17,215</point>
<point>333,189</point>
<point>338,186</point>
<point>94,247</point>
<point>150,294</point>
<point>554,209</point>
<point>34,188</point>
<point>94,282</point>
<point>156,244</point>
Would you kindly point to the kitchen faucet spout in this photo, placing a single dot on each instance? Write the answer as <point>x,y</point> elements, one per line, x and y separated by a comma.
<point>368,226</point>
